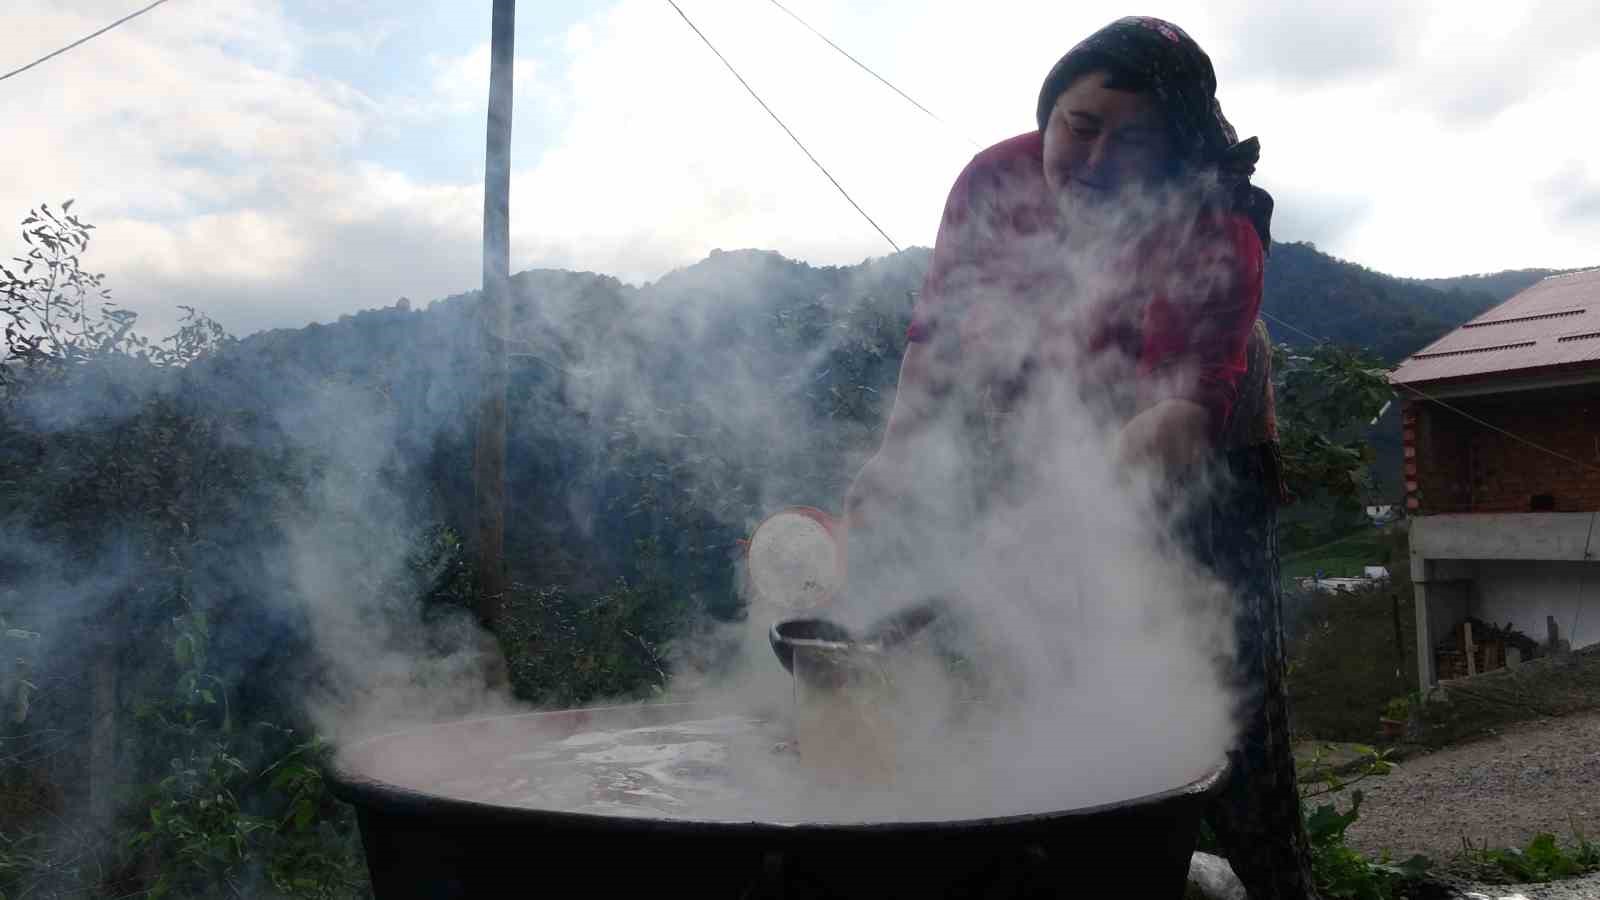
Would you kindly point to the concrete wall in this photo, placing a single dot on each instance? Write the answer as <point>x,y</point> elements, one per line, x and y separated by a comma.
<point>1448,603</point>
<point>1523,593</point>
<point>1529,536</point>
<point>1500,568</point>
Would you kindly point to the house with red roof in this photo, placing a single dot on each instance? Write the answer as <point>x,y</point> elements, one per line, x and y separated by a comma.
<point>1502,471</point>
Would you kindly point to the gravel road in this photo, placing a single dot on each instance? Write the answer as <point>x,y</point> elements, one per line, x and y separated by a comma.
<point>1535,776</point>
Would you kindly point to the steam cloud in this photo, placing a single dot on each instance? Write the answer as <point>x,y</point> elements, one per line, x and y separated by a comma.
<point>1097,646</point>
<point>1093,642</point>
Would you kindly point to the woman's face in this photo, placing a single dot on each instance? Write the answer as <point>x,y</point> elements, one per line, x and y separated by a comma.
<point>1100,141</point>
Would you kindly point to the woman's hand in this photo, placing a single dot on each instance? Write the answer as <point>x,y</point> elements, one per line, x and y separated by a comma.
<point>886,477</point>
<point>1172,435</point>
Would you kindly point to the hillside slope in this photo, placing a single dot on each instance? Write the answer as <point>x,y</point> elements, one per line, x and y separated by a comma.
<point>677,411</point>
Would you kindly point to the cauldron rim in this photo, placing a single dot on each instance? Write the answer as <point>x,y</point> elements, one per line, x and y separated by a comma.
<point>366,792</point>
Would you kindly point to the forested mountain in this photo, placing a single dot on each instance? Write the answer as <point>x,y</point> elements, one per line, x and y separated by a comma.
<point>672,413</point>
<point>1350,304</point>
<point>1340,301</point>
<point>1390,317</point>
<point>1499,285</point>
<point>720,374</point>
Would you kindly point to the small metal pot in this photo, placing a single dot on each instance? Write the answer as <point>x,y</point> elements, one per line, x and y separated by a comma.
<point>824,654</point>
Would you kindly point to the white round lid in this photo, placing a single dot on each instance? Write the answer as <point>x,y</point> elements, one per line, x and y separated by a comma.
<point>794,560</point>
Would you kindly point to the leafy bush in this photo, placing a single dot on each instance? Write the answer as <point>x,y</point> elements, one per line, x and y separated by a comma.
<point>1347,659</point>
<point>565,648</point>
<point>1340,870</point>
<point>214,821</point>
<point>126,494</point>
<point>1343,872</point>
<point>1543,859</point>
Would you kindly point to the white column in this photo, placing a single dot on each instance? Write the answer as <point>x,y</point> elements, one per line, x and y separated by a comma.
<point>1419,585</point>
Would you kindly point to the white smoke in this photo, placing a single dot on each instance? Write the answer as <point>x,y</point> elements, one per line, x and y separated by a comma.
<point>1094,646</point>
<point>1081,657</point>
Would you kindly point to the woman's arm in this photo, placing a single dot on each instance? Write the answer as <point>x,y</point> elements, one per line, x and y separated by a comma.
<point>887,474</point>
<point>1173,434</point>
<point>1195,353</point>
<point>924,376</point>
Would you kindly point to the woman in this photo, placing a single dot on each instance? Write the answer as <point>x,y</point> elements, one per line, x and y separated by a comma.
<point>1123,244</point>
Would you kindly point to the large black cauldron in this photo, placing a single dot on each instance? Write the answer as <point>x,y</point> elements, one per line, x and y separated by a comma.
<point>426,846</point>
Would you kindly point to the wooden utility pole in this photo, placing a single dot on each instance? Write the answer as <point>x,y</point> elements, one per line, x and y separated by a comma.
<point>108,627</point>
<point>490,458</point>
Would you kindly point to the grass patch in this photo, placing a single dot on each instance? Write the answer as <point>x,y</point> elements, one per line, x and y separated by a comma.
<point>1544,859</point>
<point>1346,557</point>
<point>1345,665</point>
<point>1345,661</point>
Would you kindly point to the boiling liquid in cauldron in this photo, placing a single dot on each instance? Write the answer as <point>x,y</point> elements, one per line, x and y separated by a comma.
<point>867,755</point>
<point>824,763</point>
<point>835,768</point>
<point>658,770</point>
<point>739,768</point>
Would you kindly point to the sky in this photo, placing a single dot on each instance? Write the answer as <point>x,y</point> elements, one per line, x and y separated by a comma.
<point>277,163</point>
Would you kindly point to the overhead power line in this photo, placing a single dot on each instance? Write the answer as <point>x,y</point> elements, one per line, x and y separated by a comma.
<point>1270,317</point>
<point>1435,400</point>
<point>1424,395</point>
<point>785,128</point>
<point>869,71</point>
<point>83,40</point>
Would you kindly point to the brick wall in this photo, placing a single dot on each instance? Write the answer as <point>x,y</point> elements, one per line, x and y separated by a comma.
<point>1456,465</point>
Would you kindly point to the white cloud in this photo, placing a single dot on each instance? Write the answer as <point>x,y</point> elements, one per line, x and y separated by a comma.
<point>223,173</point>
<point>666,156</point>
<point>1386,148</point>
<point>461,83</point>
<point>1309,45</point>
<point>221,176</point>
<point>1576,194</point>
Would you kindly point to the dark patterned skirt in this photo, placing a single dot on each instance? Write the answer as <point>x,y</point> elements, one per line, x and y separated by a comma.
<point>1257,818</point>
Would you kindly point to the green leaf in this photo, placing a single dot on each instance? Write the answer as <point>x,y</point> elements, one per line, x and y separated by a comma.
<point>283,779</point>
<point>1543,846</point>
<point>1414,868</point>
<point>1324,823</point>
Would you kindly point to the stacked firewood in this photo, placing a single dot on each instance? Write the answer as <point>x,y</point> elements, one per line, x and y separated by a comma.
<point>1476,646</point>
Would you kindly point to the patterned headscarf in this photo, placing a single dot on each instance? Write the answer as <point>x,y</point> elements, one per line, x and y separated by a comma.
<point>1185,85</point>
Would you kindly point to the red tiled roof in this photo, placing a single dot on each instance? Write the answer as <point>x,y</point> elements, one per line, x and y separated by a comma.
<point>1554,323</point>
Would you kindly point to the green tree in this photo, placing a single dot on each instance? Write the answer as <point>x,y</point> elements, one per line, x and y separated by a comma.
<point>125,495</point>
<point>1327,398</point>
